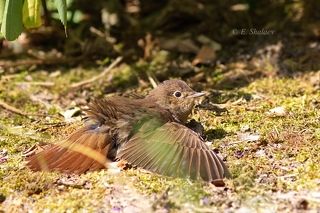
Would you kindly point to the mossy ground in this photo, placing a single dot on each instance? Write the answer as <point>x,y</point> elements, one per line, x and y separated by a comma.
<point>277,172</point>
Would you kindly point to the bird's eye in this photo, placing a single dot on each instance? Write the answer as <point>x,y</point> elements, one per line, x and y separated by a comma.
<point>177,94</point>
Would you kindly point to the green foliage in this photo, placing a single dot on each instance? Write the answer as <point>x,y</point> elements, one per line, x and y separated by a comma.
<point>17,14</point>
<point>12,25</point>
<point>31,13</point>
<point>62,10</point>
<point>2,5</point>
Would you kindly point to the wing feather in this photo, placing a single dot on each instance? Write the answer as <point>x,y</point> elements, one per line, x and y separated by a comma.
<point>173,149</point>
<point>84,150</point>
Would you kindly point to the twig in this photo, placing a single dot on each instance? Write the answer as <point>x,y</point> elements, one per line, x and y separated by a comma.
<point>235,142</point>
<point>12,109</point>
<point>18,111</point>
<point>95,78</point>
<point>36,83</point>
<point>8,77</point>
<point>31,62</point>
<point>27,62</point>
<point>97,32</point>
<point>59,124</point>
<point>152,81</point>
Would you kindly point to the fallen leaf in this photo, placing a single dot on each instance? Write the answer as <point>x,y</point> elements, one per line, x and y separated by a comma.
<point>70,113</point>
<point>239,7</point>
<point>55,74</point>
<point>248,137</point>
<point>206,55</point>
<point>179,45</point>
<point>277,112</point>
<point>204,40</point>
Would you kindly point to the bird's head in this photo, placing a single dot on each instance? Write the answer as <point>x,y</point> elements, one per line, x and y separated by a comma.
<point>176,96</point>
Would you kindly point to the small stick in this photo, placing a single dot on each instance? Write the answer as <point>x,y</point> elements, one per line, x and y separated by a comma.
<point>18,111</point>
<point>59,124</point>
<point>95,78</point>
<point>97,32</point>
<point>31,62</point>
<point>37,83</point>
<point>152,81</point>
<point>12,109</point>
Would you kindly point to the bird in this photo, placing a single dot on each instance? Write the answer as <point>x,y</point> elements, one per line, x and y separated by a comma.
<point>149,133</point>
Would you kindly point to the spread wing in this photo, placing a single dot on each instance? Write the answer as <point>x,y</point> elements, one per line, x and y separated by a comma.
<point>84,150</point>
<point>174,150</point>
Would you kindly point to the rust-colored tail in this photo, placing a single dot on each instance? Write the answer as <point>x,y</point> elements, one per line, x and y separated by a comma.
<point>84,150</point>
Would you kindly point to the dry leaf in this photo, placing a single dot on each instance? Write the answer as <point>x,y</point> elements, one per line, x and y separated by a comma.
<point>179,45</point>
<point>249,137</point>
<point>206,55</point>
<point>70,113</point>
<point>277,112</point>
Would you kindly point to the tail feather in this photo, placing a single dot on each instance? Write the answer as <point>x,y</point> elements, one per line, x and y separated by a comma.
<point>84,150</point>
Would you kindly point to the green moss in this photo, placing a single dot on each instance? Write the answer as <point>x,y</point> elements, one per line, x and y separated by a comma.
<point>285,158</point>
<point>124,77</point>
<point>180,190</point>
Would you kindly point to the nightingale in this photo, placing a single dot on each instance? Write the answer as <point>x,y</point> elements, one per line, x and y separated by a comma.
<point>149,133</point>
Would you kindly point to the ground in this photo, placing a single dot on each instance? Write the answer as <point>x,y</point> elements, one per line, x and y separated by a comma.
<point>267,129</point>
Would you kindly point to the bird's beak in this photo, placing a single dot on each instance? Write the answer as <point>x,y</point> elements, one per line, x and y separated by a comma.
<point>196,95</point>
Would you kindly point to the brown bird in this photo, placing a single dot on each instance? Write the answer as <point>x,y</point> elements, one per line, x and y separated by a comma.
<point>149,133</point>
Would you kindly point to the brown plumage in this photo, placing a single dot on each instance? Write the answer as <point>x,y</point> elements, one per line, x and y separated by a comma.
<point>149,133</point>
